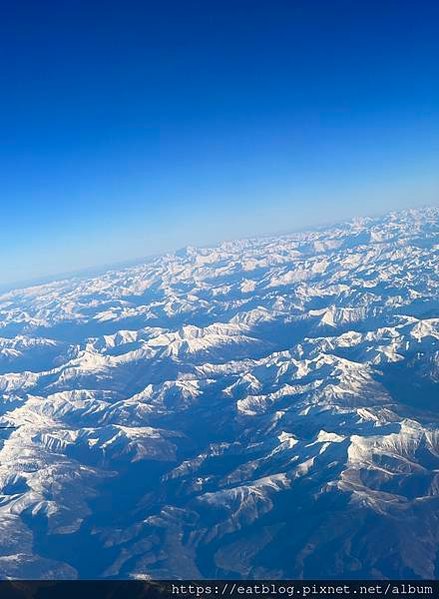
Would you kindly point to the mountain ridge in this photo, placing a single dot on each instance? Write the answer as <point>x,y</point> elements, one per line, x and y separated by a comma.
<point>263,408</point>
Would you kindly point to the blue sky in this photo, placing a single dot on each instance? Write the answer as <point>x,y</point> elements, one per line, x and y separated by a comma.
<point>130,128</point>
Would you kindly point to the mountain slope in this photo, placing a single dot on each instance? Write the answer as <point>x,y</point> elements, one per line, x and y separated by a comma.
<point>262,408</point>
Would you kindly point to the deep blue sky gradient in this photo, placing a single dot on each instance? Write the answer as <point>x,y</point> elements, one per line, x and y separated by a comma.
<point>129,128</point>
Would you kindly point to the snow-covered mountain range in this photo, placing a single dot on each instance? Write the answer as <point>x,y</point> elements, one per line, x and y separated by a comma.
<point>265,408</point>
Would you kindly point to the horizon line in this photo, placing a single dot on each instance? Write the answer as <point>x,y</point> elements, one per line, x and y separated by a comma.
<point>87,271</point>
